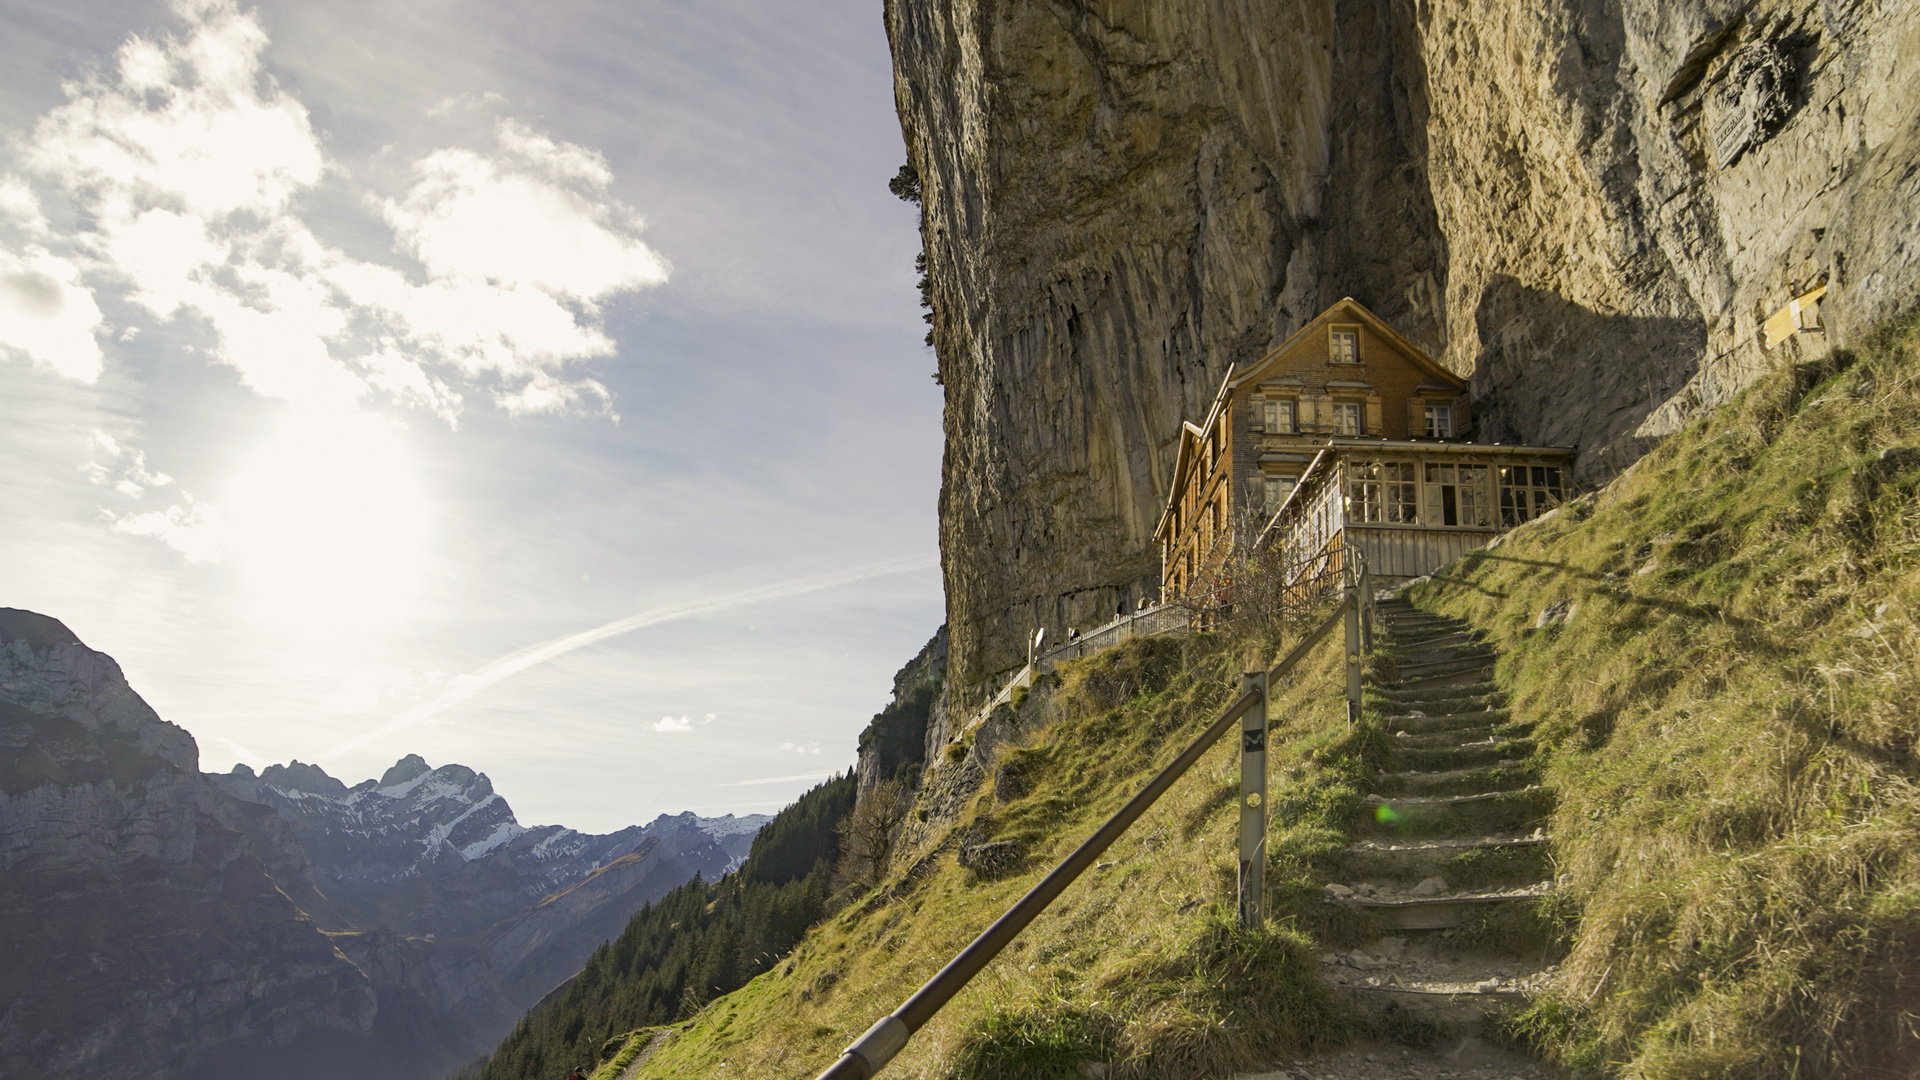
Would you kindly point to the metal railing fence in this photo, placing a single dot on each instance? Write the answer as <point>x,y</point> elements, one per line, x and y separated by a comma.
<point>881,1042</point>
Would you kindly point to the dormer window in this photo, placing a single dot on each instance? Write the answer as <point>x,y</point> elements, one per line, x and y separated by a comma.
<point>1344,345</point>
<point>1439,421</point>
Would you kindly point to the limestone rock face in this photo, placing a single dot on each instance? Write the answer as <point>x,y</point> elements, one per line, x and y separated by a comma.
<point>143,931</point>
<point>1587,207</point>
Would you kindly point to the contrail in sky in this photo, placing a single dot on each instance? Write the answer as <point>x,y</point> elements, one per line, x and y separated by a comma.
<point>516,662</point>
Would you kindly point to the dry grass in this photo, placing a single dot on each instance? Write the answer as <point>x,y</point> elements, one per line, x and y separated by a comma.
<point>1731,721</point>
<point>1138,964</point>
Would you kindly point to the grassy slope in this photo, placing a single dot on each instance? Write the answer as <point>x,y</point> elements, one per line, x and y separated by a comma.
<point>1138,963</point>
<point>1731,716</point>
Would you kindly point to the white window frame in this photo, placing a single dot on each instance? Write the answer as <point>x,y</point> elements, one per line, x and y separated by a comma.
<point>1338,355</point>
<point>1468,486</point>
<point>1277,416</point>
<point>1383,492</point>
<point>1439,421</point>
<point>1358,414</point>
<point>1528,491</point>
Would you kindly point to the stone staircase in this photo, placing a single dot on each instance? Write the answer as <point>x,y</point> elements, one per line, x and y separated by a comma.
<point>1455,850</point>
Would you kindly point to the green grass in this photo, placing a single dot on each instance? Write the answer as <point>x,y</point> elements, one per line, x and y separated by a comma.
<point>1730,721</point>
<point>1139,964</point>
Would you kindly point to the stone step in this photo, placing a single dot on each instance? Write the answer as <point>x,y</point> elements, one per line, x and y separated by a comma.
<point>1400,613</point>
<point>1419,723</point>
<point>1428,816</point>
<point>1417,619</point>
<point>1401,636</point>
<point>1474,659</point>
<point>1473,676</point>
<point>1442,739</point>
<point>1500,776</point>
<point>1439,912</point>
<point>1442,641</point>
<point>1461,755</point>
<point>1496,858</point>
<point>1447,696</point>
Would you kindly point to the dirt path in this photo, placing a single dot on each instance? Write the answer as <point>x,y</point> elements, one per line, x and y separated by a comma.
<point>633,1067</point>
<point>1465,1059</point>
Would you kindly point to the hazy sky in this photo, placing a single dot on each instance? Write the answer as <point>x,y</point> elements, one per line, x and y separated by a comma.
<point>537,387</point>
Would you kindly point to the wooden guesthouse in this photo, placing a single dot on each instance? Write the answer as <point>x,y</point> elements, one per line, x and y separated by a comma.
<point>1346,435</point>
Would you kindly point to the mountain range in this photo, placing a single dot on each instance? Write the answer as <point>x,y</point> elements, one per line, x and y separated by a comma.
<point>167,922</point>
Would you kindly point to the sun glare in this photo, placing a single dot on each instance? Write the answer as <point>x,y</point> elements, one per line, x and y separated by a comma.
<point>329,524</point>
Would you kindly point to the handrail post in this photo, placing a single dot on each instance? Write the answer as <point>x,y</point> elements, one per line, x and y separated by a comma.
<point>1353,656</point>
<point>1366,607</point>
<point>1253,803</point>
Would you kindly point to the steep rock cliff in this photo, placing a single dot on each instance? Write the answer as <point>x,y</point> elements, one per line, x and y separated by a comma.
<point>1587,207</point>
<point>143,928</point>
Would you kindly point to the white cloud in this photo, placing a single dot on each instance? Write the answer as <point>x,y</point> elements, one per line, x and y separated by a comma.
<point>670,723</point>
<point>191,528</point>
<point>45,312</point>
<point>186,163</point>
<point>797,748</point>
<point>184,166</point>
<point>472,218</point>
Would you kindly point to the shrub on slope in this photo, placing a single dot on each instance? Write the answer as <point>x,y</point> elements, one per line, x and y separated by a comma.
<point>1732,714</point>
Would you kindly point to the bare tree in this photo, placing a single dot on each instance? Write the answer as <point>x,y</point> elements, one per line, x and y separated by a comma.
<point>1255,582</point>
<point>867,833</point>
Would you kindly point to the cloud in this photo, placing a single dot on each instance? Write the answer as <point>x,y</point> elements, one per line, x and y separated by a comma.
<point>186,163</point>
<point>45,312</point>
<point>195,530</point>
<point>517,662</point>
<point>809,748</point>
<point>668,723</point>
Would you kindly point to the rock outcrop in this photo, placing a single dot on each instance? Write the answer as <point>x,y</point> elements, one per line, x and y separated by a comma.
<point>143,929</point>
<point>1588,207</point>
<point>162,922</point>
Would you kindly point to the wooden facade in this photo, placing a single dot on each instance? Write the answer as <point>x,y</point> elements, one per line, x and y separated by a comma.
<point>1346,433</point>
<point>1410,507</point>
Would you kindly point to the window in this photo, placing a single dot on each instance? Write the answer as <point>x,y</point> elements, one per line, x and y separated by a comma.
<point>1458,495</point>
<point>1344,347</point>
<point>1347,418</point>
<point>1439,421</point>
<point>1277,417</point>
<point>1527,491</point>
<point>1382,491</point>
<point>1277,489</point>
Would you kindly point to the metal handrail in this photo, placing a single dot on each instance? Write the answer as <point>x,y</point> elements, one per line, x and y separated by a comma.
<point>886,1038</point>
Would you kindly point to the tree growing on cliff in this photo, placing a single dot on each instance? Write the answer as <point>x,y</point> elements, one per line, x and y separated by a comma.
<point>906,184</point>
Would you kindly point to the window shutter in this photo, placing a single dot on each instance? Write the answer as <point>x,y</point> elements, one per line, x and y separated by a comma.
<point>1375,424</point>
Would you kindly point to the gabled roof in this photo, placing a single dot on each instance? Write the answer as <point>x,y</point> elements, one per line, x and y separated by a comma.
<point>1190,436</point>
<point>1359,313</point>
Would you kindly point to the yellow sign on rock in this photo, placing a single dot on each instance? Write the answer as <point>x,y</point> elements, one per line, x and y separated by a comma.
<point>1801,313</point>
